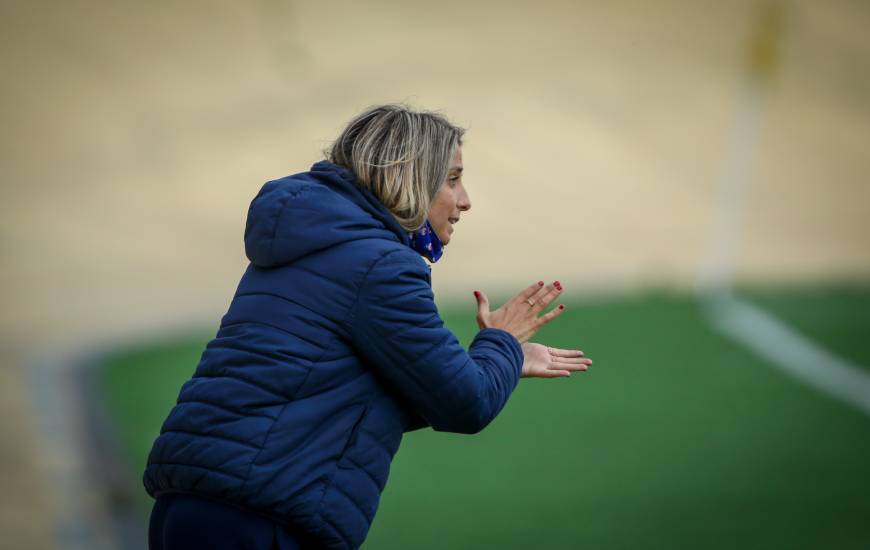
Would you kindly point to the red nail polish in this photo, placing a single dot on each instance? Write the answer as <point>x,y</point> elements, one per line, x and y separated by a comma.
<point>561,306</point>
<point>558,285</point>
<point>476,294</point>
<point>540,283</point>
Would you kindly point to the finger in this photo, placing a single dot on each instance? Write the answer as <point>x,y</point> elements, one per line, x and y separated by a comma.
<point>543,300</point>
<point>569,366</point>
<point>552,314</point>
<point>529,291</point>
<point>558,374</point>
<point>571,360</point>
<point>482,302</point>
<point>550,374</point>
<point>559,352</point>
<point>542,291</point>
<point>536,303</point>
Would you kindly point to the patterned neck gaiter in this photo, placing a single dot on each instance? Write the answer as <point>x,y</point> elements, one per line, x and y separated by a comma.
<point>426,242</point>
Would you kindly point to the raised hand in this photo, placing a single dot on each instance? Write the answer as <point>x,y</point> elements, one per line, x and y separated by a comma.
<point>519,315</point>
<point>545,362</point>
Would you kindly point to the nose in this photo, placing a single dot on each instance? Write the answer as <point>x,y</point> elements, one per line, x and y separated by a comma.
<point>464,202</point>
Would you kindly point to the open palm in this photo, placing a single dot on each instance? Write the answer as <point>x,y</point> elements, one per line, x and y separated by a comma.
<point>547,362</point>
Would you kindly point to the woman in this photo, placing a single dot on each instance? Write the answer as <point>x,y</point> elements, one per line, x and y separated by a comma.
<point>333,347</point>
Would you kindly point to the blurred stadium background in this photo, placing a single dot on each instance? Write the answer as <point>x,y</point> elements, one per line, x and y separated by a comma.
<point>648,155</point>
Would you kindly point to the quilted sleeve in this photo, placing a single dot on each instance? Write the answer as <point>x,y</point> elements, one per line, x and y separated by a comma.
<point>398,331</point>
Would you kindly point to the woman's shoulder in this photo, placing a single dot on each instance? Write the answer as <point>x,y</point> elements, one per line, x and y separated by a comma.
<point>396,266</point>
<point>384,255</point>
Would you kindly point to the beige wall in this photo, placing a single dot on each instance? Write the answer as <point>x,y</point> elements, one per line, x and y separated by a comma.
<point>135,135</point>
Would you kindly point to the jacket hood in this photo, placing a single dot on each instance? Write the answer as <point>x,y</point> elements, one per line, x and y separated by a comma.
<point>300,214</point>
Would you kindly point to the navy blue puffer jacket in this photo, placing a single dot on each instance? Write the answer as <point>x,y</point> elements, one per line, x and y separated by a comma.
<point>332,348</point>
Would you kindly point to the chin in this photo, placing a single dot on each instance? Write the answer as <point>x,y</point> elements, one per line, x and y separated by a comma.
<point>443,236</point>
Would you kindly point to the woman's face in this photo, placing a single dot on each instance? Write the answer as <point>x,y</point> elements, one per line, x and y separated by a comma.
<point>450,200</point>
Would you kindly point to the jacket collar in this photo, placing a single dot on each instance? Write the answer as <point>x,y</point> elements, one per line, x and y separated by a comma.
<point>344,182</point>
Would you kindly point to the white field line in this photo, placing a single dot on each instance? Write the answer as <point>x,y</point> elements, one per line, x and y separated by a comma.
<point>749,325</point>
<point>791,351</point>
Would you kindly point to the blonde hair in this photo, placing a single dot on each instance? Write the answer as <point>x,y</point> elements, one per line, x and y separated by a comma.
<point>402,156</point>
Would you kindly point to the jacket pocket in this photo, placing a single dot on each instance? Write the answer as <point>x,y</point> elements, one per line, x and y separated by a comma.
<point>353,435</point>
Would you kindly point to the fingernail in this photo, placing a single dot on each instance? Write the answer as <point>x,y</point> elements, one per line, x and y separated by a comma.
<point>561,306</point>
<point>558,285</point>
<point>540,283</point>
<point>476,294</point>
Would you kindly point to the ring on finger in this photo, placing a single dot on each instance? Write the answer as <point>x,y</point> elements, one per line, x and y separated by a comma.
<point>530,302</point>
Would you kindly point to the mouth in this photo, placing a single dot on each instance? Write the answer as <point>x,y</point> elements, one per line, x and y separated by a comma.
<point>453,220</point>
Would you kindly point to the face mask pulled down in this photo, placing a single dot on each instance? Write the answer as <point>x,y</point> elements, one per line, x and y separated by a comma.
<point>426,242</point>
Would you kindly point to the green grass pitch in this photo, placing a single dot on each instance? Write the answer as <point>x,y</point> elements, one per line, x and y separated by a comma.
<point>676,438</point>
